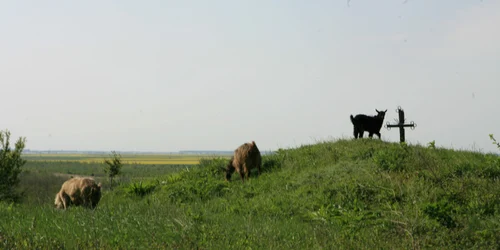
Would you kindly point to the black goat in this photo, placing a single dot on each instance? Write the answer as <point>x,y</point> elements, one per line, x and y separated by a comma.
<point>372,124</point>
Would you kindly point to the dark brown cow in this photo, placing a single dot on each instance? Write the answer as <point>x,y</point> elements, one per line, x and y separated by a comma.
<point>246,157</point>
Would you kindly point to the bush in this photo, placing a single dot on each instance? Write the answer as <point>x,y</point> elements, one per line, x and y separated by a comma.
<point>141,190</point>
<point>442,212</point>
<point>113,167</point>
<point>10,166</point>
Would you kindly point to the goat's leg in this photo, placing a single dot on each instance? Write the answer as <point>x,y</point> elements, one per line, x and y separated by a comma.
<point>361,132</point>
<point>370,134</point>
<point>355,132</point>
<point>379,135</point>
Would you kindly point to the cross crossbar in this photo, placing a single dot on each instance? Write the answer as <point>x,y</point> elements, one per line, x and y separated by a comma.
<point>400,125</point>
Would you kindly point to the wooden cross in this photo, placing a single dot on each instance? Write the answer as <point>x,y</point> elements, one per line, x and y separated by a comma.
<point>401,124</point>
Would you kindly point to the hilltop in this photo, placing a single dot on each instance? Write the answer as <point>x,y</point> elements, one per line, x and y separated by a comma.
<point>344,194</point>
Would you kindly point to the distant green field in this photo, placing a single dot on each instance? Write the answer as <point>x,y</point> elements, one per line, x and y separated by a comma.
<point>143,159</point>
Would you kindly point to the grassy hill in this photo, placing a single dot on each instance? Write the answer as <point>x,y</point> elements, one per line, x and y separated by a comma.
<point>345,194</point>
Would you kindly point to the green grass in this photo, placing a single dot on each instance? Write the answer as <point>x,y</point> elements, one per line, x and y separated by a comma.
<point>97,169</point>
<point>363,194</point>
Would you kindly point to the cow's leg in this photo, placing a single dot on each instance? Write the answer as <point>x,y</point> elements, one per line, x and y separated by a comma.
<point>246,171</point>
<point>242,175</point>
<point>66,201</point>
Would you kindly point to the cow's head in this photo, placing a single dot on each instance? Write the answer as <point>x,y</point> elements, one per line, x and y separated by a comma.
<point>95,196</point>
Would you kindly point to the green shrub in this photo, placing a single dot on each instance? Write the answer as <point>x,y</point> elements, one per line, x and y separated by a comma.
<point>442,212</point>
<point>140,189</point>
<point>10,166</point>
<point>113,166</point>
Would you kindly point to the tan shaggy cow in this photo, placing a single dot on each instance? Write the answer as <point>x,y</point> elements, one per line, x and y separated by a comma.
<point>246,157</point>
<point>78,191</point>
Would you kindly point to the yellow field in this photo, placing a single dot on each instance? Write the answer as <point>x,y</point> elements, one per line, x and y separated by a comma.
<point>167,159</point>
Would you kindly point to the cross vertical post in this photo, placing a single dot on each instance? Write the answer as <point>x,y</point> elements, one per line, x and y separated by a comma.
<point>402,129</point>
<point>401,124</point>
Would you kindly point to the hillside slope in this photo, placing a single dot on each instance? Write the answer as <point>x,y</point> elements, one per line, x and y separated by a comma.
<point>336,195</point>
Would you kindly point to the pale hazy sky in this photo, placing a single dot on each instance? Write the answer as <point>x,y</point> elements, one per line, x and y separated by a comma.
<point>210,75</point>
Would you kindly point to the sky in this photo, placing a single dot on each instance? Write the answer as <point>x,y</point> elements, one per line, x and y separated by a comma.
<point>164,75</point>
